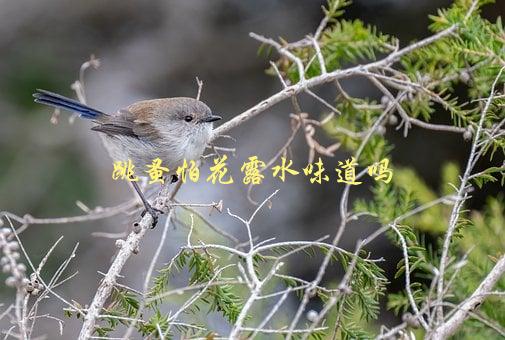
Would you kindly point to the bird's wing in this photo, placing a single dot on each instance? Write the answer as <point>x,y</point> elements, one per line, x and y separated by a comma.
<point>115,128</point>
<point>133,121</point>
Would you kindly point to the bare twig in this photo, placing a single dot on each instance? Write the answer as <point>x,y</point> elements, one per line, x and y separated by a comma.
<point>302,85</point>
<point>449,327</point>
<point>460,199</point>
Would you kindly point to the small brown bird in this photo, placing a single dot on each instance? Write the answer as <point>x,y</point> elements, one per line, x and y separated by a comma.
<point>172,129</point>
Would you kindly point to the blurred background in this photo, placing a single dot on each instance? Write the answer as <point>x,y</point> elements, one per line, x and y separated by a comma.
<point>156,49</point>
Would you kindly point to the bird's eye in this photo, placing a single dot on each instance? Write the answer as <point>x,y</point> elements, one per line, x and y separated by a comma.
<point>188,118</point>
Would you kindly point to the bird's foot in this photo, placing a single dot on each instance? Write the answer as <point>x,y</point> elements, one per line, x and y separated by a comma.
<point>153,212</point>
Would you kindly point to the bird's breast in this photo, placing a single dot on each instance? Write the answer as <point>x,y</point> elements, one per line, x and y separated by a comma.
<point>142,153</point>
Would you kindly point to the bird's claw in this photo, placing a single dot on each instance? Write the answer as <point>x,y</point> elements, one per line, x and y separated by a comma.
<point>154,214</point>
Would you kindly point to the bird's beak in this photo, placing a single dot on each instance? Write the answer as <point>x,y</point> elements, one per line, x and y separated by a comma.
<point>210,119</point>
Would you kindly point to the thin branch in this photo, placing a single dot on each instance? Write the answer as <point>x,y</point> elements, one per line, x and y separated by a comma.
<point>128,247</point>
<point>149,273</point>
<point>460,199</point>
<point>302,85</point>
<point>449,327</point>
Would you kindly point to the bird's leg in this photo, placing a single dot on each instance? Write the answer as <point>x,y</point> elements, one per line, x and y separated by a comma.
<point>148,207</point>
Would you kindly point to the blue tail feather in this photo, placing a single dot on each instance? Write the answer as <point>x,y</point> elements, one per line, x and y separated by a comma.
<point>59,101</point>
